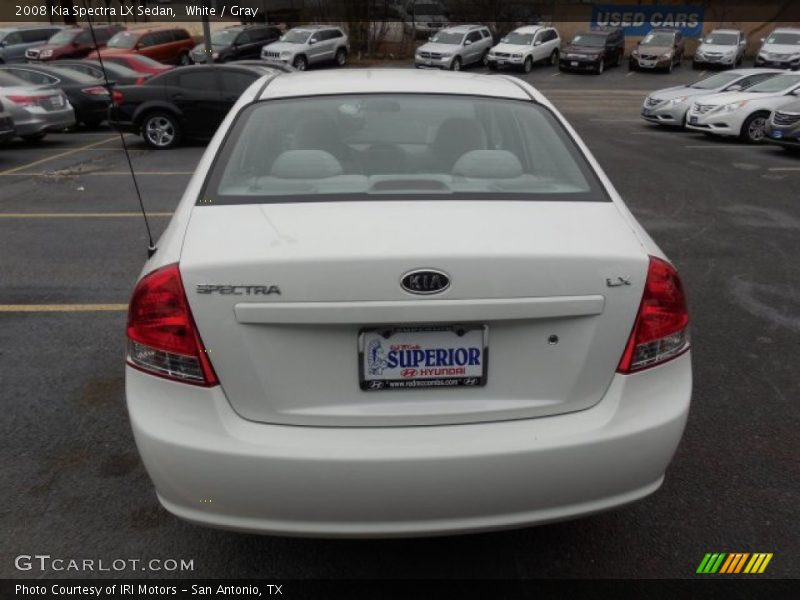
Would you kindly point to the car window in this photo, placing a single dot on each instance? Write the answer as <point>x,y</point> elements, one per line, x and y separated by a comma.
<point>13,38</point>
<point>33,77</point>
<point>202,79</point>
<point>9,80</point>
<point>164,37</point>
<point>180,35</point>
<point>85,37</point>
<point>146,40</point>
<point>237,81</point>
<point>399,146</point>
<point>485,33</point>
<point>335,33</point>
<point>474,36</point>
<point>35,35</point>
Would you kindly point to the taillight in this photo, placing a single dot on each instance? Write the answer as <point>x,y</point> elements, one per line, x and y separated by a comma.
<point>162,336</point>
<point>27,100</point>
<point>117,98</point>
<point>661,330</point>
<point>95,90</point>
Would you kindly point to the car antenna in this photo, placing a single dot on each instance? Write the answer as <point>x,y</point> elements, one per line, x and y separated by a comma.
<point>151,247</point>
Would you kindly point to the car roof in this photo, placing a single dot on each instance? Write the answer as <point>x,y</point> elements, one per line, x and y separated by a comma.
<point>530,28</point>
<point>464,28</point>
<point>376,81</point>
<point>726,30</point>
<point>755,71</point>
<point>10,28</point>
<point>315,27</point>
<point>787,30</point>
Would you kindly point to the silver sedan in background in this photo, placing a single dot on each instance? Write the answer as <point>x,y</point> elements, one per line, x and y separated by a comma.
<point>671,105</point>
<point>35,110</point>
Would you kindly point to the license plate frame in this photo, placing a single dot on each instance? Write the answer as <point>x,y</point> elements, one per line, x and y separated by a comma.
<point>56,101</point>
<point>464,340</point>
<point>693,120</point>
<point>574,63</point>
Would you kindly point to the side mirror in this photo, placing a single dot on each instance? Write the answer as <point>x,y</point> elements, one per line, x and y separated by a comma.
<point>537,43</point>
<point>734,88</point>
<point>3,44</point>
<point>762,40</point>
<point>467,42</point>
<point>312,41</point>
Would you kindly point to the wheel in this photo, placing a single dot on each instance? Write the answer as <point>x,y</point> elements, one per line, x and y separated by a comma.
<point>456,64</point>
<point>618,60</point>
<point>695,65</point>
<point>631,66</point>
<point>493,66</point>
<point>184,59</point>
<point>671,66</point>
<point>33,137</point>
<point>160,130</point>
<point>527,66</point>
<point>485,59</point>
<point>601,66</point>
<point>300,63</point>
<point>554,58</point>
<point>341,57</point>
<point>753,129</point>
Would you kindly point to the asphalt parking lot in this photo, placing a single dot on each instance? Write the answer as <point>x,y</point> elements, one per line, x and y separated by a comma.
<point>72,244</point>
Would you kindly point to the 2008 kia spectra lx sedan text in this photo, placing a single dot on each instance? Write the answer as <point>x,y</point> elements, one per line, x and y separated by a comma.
<point>403,303</point>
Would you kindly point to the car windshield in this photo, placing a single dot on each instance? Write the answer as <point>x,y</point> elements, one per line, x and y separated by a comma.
<point>722,39</point>
<point>776,84</point>
<point>715,81</point>
<point>223,38</point>
<point>592,41</point>
<point>658,39</point>
<point>429,10</point>
<point>447,37</point>
<point>784,38</point>
<point>398,146</point>
<point>63,37</point>
<point>518,39</point>
<point>123,39</point>
<point>296,36</point>
<point>9,80</point>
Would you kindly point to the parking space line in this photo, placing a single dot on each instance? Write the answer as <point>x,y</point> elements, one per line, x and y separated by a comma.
<point>616,120</point>
<point>784,169</point>
<point>59,155</point>
<point>709,147</point>
<point>84,215</point>
<point>97,173</point>
<point>8,308</point>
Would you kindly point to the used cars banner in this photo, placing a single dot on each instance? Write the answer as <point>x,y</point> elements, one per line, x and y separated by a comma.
<point>638,20</point>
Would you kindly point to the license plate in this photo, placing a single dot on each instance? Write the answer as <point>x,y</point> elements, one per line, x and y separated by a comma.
<point>647,112</point>
<point>422,357</point>
<point>501,62</point>
<point>647,64</point>
<point>693,120</point>
<point>574,63</point>
<point>57,101</point>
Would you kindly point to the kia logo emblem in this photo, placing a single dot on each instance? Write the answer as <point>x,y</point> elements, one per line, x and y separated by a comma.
<point>425,281</point>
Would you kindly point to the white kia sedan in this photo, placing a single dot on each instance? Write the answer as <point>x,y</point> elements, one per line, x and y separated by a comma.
<point>397,303</point>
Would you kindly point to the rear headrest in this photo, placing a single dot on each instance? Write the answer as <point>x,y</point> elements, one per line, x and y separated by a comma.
<point>306,164</point>
<point>488,164</point>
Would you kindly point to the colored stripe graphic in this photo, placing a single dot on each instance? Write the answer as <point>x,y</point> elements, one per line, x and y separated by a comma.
<point>734,562</point>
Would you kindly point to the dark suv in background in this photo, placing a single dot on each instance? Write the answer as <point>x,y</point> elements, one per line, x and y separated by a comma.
<point>76,42</point>
<point>239,42</point>
<point>594,50</point>
<point>14,41</point>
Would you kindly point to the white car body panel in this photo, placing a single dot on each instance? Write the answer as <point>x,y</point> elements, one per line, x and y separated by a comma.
<point>461,462</point>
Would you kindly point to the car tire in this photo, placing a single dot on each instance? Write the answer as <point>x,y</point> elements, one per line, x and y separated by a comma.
<point>493,66</point>
<point>300,63</point>
<point>527,65</point>
<point>671,66</point>
<point>160,130</point>
<point>554,58</point>
<point>485,59</point>
<point>184,60</point>
<point>618,60</point>
<point>601,66</point>
<point>456,64</point>
<point>695,65</point>
<point>753,128</point>
<point>341,57</point>
<point>34,137</point>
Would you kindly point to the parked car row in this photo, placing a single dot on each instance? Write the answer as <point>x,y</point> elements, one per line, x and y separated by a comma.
<point>754,105</point>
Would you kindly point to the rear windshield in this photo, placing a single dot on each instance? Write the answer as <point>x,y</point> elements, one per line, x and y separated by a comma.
<point>589,40</point>
<point>398,146</point>
<point>124,39</point>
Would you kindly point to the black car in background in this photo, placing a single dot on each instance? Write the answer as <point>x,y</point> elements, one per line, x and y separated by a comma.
<point>185,102</point>
<point>236,43</point>
<point>594,50</point>
<point>7,131</point>
<point>116,73</point>
<point>87,95</point>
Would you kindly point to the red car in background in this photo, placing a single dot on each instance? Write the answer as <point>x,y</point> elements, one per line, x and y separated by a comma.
<point>164,44</point>
<point>137,62</point>
<point>75,42</point>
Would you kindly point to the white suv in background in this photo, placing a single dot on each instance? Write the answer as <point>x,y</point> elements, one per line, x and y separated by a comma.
<point>455,47</point>
<point>721,48</point>
<point>781,49</point>
<point>526,46</point>
<point>309,45</point>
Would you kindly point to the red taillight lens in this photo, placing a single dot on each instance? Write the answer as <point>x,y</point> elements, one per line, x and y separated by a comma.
<point>117,98</point>
<point>27,100</point>
<point>661,330</point>
<point>162,337</point>
<point>95,90</point>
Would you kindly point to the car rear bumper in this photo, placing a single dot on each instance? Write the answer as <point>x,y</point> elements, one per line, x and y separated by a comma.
<point>27,122</point>
<point>212,467</point>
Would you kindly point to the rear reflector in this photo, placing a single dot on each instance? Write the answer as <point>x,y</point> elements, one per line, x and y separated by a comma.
<point>117,98</point>
<point>661,330</point>
<point>162,336</point>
